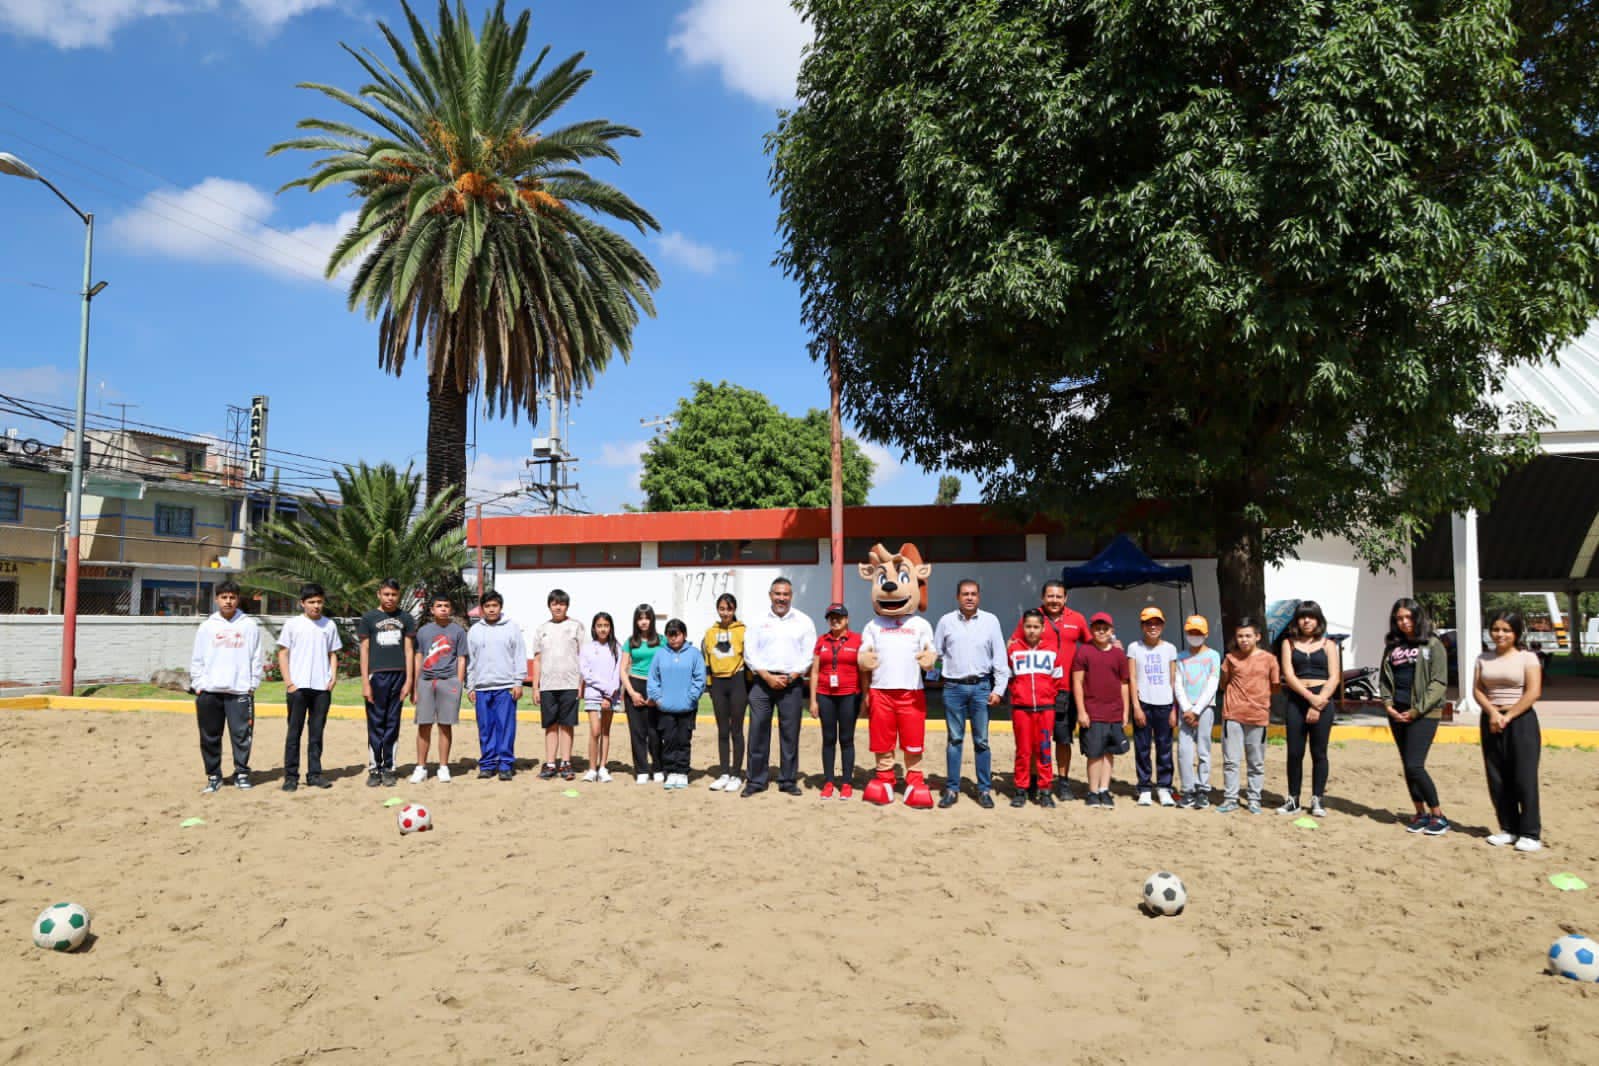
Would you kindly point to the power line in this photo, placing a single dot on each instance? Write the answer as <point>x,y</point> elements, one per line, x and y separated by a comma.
<point>313,271</point>
<point>159,177</point>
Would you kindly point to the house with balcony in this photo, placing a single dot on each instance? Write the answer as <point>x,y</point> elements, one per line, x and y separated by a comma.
<point>163,522</point>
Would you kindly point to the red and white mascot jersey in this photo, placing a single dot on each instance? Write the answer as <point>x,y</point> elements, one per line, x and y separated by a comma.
<point>899,702</point>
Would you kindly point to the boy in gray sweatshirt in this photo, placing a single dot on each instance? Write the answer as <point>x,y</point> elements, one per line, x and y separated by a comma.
<point>496,665</point>
<point>224,672</point>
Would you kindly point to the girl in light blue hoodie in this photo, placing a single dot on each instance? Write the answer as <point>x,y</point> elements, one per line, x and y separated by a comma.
<point>677,680</point>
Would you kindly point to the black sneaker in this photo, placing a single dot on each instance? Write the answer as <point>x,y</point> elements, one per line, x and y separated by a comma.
<point>317,781</point>
<point>1091,799</point>
<point>1418,823</point>
<point>547,771</point>
<point>751,790</point>
<point>1045,799</point>
<point>373,779</point>
<point>212,784</point>
<point>389,780</point>
<point>241,780</point>
<point>507,775</point>
<point>948,799</point>
<point>565,770</point>
<point>1436,826</point>
<point>985,800</point>
<point>1063,790</point>
<point>291,784</point>
<point>485,775</point>
<point>790,789</point>
<point>1019,800</point>
<point>1106,800</point>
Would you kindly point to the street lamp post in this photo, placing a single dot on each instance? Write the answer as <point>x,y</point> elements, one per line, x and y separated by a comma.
<point>10,164</point>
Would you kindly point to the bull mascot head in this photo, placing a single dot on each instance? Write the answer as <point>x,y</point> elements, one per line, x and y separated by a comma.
<point>899,580</point>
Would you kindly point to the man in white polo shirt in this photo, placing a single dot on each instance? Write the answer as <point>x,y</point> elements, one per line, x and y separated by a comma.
<point>778,649</point>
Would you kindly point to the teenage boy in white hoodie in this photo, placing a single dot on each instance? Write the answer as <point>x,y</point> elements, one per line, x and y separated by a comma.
<point>224,672</point>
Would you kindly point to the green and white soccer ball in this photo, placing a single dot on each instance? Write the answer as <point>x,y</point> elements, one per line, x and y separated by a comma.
<point>61,927</point>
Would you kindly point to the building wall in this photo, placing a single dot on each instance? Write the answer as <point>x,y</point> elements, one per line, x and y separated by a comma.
<point>42,510</point>
<point>1355,601</point>
<point>109,648</point>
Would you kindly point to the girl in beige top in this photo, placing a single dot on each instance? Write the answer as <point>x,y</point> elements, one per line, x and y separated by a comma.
<point>1509,681</point>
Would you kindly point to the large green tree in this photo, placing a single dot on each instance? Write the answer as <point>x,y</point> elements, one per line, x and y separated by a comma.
<point>731,448</point>
<point>1242,270</point>
<point>478,235</point>
<point>375,527</point>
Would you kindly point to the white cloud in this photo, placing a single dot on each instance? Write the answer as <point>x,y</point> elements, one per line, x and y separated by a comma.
<point>222,221</point>
<point>691,254</point>
<point>756,44</point>
<point>37,382</point>
<point>885,464</point>
<point>490,475</point>
<point>93,23</point>
<point>628,456</point>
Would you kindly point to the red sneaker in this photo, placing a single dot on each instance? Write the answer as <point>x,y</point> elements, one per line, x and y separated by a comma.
<point>847,792</point>
<point>827,791</point>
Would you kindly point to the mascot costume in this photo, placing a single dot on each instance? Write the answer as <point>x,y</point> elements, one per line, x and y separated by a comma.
<point>896,646</point>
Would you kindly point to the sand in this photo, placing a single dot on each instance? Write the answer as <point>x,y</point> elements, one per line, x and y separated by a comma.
<point>632,925</point>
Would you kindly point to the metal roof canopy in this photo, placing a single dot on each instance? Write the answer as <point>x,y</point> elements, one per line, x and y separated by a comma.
<point>1543,529</point>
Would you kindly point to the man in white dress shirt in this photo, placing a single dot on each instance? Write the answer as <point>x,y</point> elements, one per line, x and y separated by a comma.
<point>778,650</point>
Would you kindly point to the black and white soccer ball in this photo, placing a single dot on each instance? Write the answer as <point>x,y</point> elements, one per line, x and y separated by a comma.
<point>1164,894</point>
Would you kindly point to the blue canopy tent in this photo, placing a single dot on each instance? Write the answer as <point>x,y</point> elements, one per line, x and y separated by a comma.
<point>1123,565</point>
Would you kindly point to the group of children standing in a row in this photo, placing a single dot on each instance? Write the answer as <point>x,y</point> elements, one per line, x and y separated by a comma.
<point>1166,697</point>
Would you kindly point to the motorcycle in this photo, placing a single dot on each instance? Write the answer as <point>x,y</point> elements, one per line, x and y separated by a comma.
<point>1361,683</point>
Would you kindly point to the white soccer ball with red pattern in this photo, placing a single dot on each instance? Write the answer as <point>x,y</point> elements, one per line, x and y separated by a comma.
<point>414,818</point>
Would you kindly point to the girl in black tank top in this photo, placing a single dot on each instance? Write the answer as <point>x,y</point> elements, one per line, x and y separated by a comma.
<point>1310,671</point>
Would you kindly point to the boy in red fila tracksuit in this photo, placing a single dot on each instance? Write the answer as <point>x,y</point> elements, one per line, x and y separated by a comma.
<point>1035,679</point>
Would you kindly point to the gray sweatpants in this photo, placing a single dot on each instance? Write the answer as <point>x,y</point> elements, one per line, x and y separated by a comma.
<point>1247,742</point>
<point>1193,744</point>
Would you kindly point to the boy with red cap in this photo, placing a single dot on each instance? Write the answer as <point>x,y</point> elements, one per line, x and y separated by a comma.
<point>1035,679</point>
<point>1100,681</point>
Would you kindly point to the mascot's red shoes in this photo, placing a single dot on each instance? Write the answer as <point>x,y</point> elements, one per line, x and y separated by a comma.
<point>917,794</point>
<point>880,790</point>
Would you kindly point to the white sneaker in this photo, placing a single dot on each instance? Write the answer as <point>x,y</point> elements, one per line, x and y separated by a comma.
<point>720,783</point>
<point>682,780</point>
<point>660,778</point>
<point>444,773</point>
<point>605,775</point>
<point>591,775</point>
<point>734,784</point>
<point>668,782</point>
<point>643,779</point>
<point>1145,799</point>
<point>1164,796</point>
<point>1529,844</point>
<point>419,775</point>
<point>1501,840</point>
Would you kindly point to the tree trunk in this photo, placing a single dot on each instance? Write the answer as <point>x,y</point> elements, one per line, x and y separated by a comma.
<point>1240,567</point>
<point>446,464</point>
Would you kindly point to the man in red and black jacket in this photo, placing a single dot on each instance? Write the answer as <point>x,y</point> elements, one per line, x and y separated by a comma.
<point>1064,629</point>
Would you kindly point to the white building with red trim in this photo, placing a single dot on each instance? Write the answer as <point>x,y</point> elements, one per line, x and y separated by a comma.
<point>680,562</point>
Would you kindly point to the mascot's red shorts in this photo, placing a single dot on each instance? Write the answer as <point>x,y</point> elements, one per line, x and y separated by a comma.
<point>898,714</point>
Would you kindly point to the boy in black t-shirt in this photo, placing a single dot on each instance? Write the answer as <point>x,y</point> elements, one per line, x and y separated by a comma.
<point>388,637</point>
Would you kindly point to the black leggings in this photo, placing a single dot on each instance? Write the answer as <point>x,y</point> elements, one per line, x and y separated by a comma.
<point>1511,759</point>
<point>729,697</point>
<point>839,714</point>
<point>1415,740</point>
<point>644,730</point>
<point>1295,712</point>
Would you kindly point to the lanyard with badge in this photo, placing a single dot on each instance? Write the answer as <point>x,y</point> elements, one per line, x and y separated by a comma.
<point>832,678</point>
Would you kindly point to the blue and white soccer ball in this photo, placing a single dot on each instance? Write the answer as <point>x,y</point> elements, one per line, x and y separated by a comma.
<point>61,927</point>
<point>1164,894</point>
<point>1576,957</point>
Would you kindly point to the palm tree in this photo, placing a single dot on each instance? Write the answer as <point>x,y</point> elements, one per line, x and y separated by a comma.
<point>477,234</point>
<point>372,531</point>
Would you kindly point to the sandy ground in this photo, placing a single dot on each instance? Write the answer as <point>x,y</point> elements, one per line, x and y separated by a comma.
<point>633,925</point>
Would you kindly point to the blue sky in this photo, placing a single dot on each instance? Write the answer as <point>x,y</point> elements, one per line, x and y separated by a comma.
<point>156,115</point>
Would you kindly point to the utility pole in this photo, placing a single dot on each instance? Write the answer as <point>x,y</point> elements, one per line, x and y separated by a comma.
<point>546,473</point>
<point>122,438</point>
